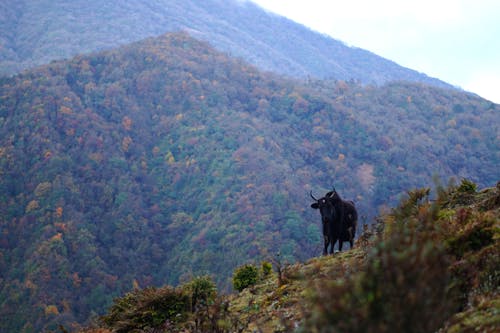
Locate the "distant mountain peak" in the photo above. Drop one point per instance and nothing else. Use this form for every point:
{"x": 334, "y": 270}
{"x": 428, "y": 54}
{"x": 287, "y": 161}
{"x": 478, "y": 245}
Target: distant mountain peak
{"x": 34, "y": 33}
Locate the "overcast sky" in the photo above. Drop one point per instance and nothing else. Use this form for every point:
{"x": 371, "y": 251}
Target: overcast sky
{"x": 457, "y": 41}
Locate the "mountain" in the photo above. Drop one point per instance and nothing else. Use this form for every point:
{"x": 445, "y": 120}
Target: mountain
{"x": 425, "y": 267}
{"x": 36, "y": 32}
{"x": 166, "y": 159}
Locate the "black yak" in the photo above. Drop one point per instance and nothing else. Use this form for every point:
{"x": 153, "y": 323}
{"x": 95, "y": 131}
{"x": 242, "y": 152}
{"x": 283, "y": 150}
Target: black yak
{"x": 339, "y": 219}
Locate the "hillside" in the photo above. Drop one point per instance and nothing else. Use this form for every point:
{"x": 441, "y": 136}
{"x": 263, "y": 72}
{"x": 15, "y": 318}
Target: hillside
{"x": 34, "y": 33}
{"x": 424, "y": 267}
{"x": 166, "y": 159}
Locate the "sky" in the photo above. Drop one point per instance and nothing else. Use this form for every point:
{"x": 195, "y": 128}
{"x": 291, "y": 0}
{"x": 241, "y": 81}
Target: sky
{"x": 457, "y": 41}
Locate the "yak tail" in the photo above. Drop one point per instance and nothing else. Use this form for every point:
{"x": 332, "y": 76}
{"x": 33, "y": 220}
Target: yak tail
{"x": 355, "y": 215}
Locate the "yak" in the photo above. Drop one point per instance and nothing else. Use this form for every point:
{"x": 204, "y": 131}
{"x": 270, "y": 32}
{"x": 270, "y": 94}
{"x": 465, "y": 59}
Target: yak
{"x": 339, "y": 219}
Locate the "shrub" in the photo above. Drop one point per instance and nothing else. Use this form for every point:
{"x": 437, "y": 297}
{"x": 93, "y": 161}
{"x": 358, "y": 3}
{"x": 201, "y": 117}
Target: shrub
{"x": 245, "y": 276}
{"x": 148, "y": 308}
{"x": 266, "y": 268}
{"x": 409, "y": 206}
{"x": 472, "y": 239}
{"x": 467, "y": 186}
{"x": 201, "y": 290}
{"x": 462, "y": 194}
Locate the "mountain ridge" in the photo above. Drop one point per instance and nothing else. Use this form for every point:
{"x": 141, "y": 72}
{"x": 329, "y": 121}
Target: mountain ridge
{"x": 54, "y": 30}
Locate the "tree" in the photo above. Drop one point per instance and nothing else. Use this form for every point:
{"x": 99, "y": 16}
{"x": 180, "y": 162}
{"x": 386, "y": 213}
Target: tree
{"x": 245, "y": 276}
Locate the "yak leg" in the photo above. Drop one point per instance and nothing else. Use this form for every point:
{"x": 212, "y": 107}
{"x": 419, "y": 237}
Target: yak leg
{"x": 351, "y": 236}
{"x": 326, "y": 240}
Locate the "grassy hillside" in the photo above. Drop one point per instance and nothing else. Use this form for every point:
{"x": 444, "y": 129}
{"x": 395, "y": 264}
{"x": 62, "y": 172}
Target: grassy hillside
{"x": 426, "y": 266}
{"x": 166, "y": 159}
{"x": 34, "y": 33}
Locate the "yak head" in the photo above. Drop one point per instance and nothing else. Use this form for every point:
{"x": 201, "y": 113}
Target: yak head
{"x": 325, "y": 206}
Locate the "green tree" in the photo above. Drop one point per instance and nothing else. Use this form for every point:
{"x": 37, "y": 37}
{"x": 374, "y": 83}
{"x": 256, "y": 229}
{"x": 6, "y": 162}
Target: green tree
{"x": 245, "y": 276}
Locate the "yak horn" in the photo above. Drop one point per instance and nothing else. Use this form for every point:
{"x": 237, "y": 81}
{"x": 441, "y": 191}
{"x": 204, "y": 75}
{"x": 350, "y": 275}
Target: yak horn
{"x": 312, "y": 196}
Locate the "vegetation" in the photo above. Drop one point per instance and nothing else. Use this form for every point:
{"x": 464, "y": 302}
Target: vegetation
{"x": 152, "y": 308}
{"x": 202, "y": 292}
{"x": 266, "y": 269}
{"x": 410, "y": 280}
{"x": 404, "y": 285}
{"x": 245, "y": 276}
{"x": 146, "y": 309}
{"x": 165, "y": 159}
{"x": 406, "y": 278}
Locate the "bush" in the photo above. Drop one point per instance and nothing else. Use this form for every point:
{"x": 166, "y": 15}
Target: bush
{"x": 201, "y": 290}
{"x": 410, "y": 205}
{"x": 148, "y": 308}
{"x": 467, "y": 186}
{"x": 472, "y": 239}
{"x": 267, "y": 268}
{"x": 245, "y": 276}
{"x": 462, "y": 194}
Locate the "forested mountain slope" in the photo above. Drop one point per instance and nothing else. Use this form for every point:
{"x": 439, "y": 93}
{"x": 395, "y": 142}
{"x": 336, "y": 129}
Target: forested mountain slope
{"x": 36, "y": 32}
{"x": 165, "y": 159}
